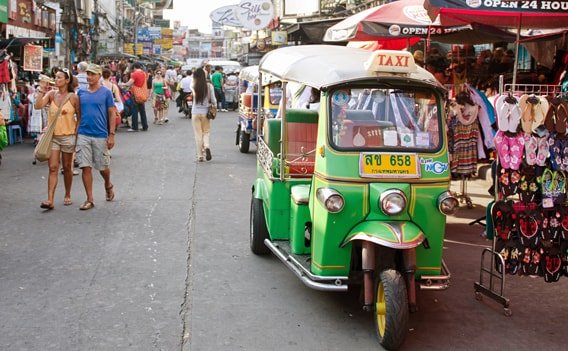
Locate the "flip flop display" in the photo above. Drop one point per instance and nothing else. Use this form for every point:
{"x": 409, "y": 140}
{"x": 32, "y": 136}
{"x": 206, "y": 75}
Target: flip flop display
{"x": 531, "y": 230}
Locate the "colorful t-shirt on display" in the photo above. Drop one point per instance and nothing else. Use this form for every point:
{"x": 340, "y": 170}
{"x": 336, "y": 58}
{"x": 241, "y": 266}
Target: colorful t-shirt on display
{"x": 94, "y": 112}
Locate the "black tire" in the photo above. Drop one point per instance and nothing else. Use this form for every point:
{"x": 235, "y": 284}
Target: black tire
{"x": 392, "y": 324}
{"x": 244, "y": 142}
{"x": 258, "y": 229}
{"x": 238, "y": 134}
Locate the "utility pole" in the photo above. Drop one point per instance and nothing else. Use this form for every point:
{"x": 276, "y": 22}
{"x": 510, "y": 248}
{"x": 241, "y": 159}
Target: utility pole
{"x": 66, "y": 21}
{"x": 95, "y": 33}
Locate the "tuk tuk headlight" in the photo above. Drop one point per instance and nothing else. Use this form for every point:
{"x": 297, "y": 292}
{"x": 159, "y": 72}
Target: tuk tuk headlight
{"x": 330, "y": 199}
{"x": 447, "y": 203}
{"x": 392, "y": 202}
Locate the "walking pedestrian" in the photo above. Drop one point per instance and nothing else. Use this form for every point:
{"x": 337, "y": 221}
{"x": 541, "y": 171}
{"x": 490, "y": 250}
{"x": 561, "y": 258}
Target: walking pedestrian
{"x": 96, "y": 134}
{"x": 171, "y": 79}
{"x": 203, "y": 94}
{"x": 159, "y": 102}
{"x": 218, "y": 83}
{"x": 107, "y": 83}
{"x": 82, "y": 75}
{"x": 138, "y": 79}
{"x": 64, "y": 110}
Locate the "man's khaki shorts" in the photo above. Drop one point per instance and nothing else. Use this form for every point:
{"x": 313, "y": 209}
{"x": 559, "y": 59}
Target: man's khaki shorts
{"x": 92, "y": 152}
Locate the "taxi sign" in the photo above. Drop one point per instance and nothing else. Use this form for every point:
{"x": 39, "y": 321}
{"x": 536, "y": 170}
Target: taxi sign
{"x": 391, "y": 61}
{"x": 388, "y": 165}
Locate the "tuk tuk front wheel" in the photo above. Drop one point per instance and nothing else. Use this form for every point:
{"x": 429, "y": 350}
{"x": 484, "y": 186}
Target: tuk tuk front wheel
{"x": 258, "y": 229}
{"x": 244, "y": 142}
{"x": 391, "y": 309}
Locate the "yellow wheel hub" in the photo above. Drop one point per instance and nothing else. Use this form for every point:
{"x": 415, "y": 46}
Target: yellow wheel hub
{"x": 380, "y": 309}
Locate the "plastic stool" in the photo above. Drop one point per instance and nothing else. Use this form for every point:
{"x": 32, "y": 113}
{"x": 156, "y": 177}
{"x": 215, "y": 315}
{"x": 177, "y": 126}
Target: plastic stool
{"x": 15, "y": 131}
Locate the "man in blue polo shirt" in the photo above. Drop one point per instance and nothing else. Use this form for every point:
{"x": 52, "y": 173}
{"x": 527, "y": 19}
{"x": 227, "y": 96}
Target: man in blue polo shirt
{"x": 96, "y": 133}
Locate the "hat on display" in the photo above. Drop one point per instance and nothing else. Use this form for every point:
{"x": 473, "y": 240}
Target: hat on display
{"x": 96, "y": 69}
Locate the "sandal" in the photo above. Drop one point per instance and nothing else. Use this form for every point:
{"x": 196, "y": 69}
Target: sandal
{"x": 552, "y": 267}
{"x": 109, "y": 193}
{"x": 67, "y": 201}
{"x": 47, "y": 205}
{"x": 87, "y": 205}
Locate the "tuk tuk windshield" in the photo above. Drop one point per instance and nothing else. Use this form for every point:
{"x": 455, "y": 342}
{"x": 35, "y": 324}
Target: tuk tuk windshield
{"x": 400, "y": 119}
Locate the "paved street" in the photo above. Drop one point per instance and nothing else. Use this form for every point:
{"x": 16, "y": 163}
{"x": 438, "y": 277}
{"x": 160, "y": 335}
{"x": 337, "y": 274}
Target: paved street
{"x": 166, "y": 265}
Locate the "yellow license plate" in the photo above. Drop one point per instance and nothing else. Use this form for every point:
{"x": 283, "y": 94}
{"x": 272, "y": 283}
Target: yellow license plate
{"x": 389, "y": 165}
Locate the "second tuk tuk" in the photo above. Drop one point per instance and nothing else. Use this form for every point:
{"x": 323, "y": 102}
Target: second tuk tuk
{"x": 251, "y": 91}
{"x": 355, "y": 194}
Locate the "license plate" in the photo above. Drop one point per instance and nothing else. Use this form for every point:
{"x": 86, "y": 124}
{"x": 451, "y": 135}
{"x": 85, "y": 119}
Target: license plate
{"x": 389, "y": 165}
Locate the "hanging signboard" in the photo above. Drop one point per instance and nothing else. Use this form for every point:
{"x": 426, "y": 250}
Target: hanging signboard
{"x": 226, "y": 16}
{"x": 255, "y": 14}
{"x": 33, "y": 58}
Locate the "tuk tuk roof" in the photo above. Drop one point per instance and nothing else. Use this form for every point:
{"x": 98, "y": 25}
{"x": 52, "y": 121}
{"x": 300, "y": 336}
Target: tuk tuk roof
{"x": 249, "y": 73}
{"x": 321, "y": 66}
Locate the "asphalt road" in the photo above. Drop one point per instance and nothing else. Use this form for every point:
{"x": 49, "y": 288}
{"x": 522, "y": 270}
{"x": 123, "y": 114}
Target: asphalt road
{"x": 166, "y": 266}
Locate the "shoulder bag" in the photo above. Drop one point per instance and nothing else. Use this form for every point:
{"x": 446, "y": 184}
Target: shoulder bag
{"x": 42, "y": 151}
{"x": 141, "y": 94}
{"x": 212, "y": 110}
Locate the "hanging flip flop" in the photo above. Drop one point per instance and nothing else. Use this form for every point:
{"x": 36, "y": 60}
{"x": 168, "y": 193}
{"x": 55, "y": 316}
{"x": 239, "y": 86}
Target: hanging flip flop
{"x": 534, "y": 265}
{"x": 528, "y": 224}
{"x": 502, "y": 145}
{"x": 550, "y": 117}
{"x": 552, "y": 267}
{"x": 539, "y": 112}
{"x": 501, "y": 216}
{"x": 561, "y": 119}
{"x": 527, "y": 115}
{"x": 502, "y": 113}
{"x": 543, "y": 151}
{"x": 526, "y": 260}
{"x": 531, "y": 149}
{"x": 559, "y": 187}
{"x": 516, "y": 150}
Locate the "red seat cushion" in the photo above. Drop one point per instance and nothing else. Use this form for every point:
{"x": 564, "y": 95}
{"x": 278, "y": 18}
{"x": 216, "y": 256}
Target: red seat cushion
{"x": 302, "y": 139}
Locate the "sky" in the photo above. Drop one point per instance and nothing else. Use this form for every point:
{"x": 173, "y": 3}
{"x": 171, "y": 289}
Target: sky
{"x": 195, "y": 13}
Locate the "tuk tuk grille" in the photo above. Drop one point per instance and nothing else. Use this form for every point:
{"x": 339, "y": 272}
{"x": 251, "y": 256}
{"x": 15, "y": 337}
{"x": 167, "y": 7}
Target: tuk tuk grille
{"x": 265, "y": 158}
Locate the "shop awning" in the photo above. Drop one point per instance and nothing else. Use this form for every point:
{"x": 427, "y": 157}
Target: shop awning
{"x": 6, "y": 43}
{"x": 311, "y": 32}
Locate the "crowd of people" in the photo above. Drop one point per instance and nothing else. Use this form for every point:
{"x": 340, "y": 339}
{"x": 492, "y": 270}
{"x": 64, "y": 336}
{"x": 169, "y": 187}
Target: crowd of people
{"x": 88, "y": 104}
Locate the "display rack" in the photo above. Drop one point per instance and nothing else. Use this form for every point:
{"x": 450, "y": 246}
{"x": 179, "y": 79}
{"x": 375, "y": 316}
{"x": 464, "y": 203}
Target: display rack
{"x": 492, "y": 281}
{"x": 462, "y": 196}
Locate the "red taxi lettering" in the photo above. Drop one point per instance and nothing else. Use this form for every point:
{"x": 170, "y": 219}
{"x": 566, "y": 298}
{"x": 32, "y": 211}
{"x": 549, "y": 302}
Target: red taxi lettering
{"x": 387, "y": 60}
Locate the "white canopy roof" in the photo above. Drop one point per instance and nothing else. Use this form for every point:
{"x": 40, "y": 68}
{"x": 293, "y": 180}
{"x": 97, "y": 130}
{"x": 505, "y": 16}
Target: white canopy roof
{"x": 249, "y": 73}
{"x": 326, "y": 65}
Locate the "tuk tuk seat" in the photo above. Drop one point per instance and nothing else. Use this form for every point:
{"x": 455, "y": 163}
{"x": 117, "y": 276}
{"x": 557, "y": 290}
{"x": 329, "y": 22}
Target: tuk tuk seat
{"x": 302, "y": 128}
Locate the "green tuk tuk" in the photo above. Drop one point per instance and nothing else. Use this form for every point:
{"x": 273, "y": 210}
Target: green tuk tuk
{"x": 355, "y": 193}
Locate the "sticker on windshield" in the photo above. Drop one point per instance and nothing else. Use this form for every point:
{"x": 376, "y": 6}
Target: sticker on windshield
{"x": 341, "y": 97}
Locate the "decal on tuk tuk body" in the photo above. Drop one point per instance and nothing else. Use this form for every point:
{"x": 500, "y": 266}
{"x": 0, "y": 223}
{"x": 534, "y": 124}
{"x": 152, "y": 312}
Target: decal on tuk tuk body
{"x": 435, "y": 167}
{"x": 388, "y": 165}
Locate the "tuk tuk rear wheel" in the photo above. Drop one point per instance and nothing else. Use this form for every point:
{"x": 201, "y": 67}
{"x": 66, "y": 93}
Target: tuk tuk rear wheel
{"x": 244, "y": 142}
{"x": 258, "y": 229}
{"x": 391, "y": 309}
